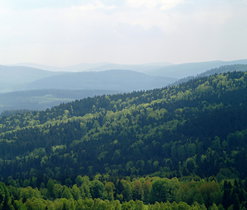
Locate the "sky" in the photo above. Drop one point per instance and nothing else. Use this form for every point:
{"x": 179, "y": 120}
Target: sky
{"x": 68, "y": 32}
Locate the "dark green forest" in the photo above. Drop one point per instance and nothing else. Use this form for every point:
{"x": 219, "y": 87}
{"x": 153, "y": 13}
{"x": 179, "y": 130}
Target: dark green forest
{"x": 179, "y": 147}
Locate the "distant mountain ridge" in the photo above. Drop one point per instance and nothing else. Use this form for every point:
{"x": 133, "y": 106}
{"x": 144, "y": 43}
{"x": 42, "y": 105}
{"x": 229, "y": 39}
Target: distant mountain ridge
{"x": 36, "y": 89}
{"x": 99, "y": 67}
{"x": 26, "y": 88}
{"x": 118, "y": 80}
{"x": 13, "y": 77}
{"x": 153, "y": 69}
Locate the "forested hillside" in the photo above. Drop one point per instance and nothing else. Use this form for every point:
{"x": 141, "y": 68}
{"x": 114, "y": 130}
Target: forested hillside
{"x": 224, "y": 69}
{"x": 219, "y": 70}
{"x": 181, "y": 144}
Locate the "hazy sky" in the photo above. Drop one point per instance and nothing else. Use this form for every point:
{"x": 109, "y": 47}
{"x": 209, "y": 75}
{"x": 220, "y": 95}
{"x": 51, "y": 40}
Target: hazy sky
{"x": 65, "y": 32}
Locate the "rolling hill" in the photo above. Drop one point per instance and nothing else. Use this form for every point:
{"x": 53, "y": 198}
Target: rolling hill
{"x": 117, "y": 80}
{"x": 178, "y": 147}
{"x": 145, "y": 125}
{"x": 14, "y": 77}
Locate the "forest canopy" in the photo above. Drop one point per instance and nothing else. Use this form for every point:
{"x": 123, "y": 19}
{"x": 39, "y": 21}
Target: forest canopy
{"x": 183, "y": 145}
